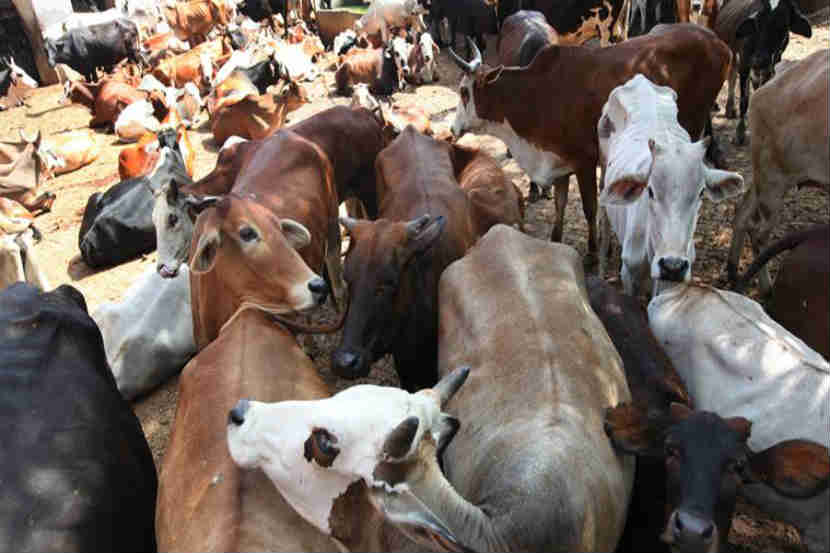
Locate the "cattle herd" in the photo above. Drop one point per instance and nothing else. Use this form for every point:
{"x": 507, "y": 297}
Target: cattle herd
{"x": 540, "y": 407}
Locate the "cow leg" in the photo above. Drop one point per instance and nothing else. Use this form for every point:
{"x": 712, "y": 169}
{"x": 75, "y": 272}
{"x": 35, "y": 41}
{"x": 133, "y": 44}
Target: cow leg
{"x": 34, "y": 203}
{"x": 604, "y": 235}
{"x": 740, "y": 224}
{"x": 730, "y": 89}
{"x": 561, "y": 196}
{"x": 587, "y": 179}
{"x": 31, "y": 267}
{"x": 740, "y": 133}
{"x": 759, "y": 234}
{"x": 713, "y": 152}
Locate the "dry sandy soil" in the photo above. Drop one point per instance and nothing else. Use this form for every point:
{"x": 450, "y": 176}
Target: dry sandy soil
{"x": 59, "y": 250}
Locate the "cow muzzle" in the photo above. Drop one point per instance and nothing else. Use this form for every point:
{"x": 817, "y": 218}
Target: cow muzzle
{"x": 673, "y": 269}
{"x": 165, "y": 271}
{"x": 236, "y": 416}
{"x": 319, "y": 290}
{"x": 688, "y": 532}
{"x": 350, "y": 364}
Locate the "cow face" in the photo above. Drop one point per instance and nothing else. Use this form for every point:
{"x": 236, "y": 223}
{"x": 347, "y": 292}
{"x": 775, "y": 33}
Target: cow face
{"x": 337, "y": 460}
{"x": 253, "y": 256}
{"x": 706, "y": 461}
{"x": 466, "y": 114}
{"x": 766, "y": 34}
{"x": 674, "y": 185}
{"x": 400, "y": 50}
{"x": 380, "y": 254}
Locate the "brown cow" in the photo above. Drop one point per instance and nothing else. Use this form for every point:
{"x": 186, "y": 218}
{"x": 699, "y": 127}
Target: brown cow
{"x": 260, "y": 244}
{"x": 106, "y": 99}
{"x": 493, "y": 197}
{"x": 205, "y": 502}
{"x": 374, "y": 66}
{"x": 20, "y": 174}
{"x": 801, "y": 292}
{"x": 62, "y": 153}
{"x": 139, "y": 159}
{"x": 192, "y": 20}
{"x": 521, "y": 37}
{"x": 551, "y": 129}
{"x": 393, "y": 264}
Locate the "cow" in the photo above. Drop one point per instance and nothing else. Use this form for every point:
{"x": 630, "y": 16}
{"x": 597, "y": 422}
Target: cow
{"x": 557, "y": 136}
{"x": 261, "y": 245}
{"x": 393, "y": 264}
{"x": 254, "y": 79}
{"x": 578, "y": 21}
{"x": 331, "y": 23}
{"x": 645, "y": 14}
{"x": 542, "y": 371}
{"x": 105, "y": 100}
{"x": 738, "y": 362}
{"x": 78, "y": 20}
{"x": 20, "y": 169}
{"x": 140, "y": 159}
{"x": 195, "y": 67}
{"x": 255, "y": 116}
{"x": 148, "y": 335}
{"x": 494, "y": 199}
{"x": 475, "y": 17}
{"x": 87, "y": 48}
{"x": 801, "y": 292}
{"x": 789, "y": 148}
{"x": 758, "y": 33}
{"x": 136, "y": 120}
{"x": 422, "y": 61}
{"x": 117, "y": 225}
{"x": 521, "y": 37}
{"x": 77, "y": 470}
{"x": 373, "y": 66}
{"x": 191, "y": 21}
{"x": 66, "y": 152}
{"x": 15, "y": 84}
{"x": 18, "y": 260}
{"x": 644, "y": 148}
{"x": 382, "y": 15}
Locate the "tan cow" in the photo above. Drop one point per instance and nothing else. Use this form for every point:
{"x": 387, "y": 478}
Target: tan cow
{"x": 192, "y": 20}
{"x": 66, "y": 152}
{"x": 20, "y": 174}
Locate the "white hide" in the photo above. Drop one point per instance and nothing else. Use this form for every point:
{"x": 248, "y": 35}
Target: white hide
{"x": 18, "y": 261}
{"x": 429, "y": 50}
{"x": 21, "y": 74}
{"x": 346, "y": 37}
{"x": 384, "y": 14}
{"x": 148, "y": 336}
{"x": 139, "y": 112}
{"x": 360, "y": 418}
{"x": 239, "y": 58}
{"x": 642, "y": 142}
{"x": 400, "y": 53}
{"x": 295, "y": 61}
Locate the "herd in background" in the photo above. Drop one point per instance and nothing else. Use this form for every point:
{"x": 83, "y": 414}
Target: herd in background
{"x": 714, "y": 396}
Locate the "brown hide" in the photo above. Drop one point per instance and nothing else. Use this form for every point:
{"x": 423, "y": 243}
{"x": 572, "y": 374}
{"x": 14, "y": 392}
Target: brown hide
{"x": 112, "y": 97}
{"x": 359, "y": 65}
{"x": 205, "y": 501}
{"x": 193, "y": 20}
{"x": 77, "y": 149}
{"x": 522, "y": 35}
{"x": 256, "y": 116}
{"x": 20, "y": 175}
{"x": 284, "y": 177}
{"x": 237, "y": 83}
{"x": 493, "y": 197}
{"x": 14, "y": 217}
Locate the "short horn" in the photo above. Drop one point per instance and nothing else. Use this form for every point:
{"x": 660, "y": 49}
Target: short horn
{"x": 450, "y": 384}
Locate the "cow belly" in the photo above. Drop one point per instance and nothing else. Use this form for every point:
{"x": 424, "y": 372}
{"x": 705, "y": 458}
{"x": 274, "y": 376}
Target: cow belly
{"x": 541, "y": 166}
{"x": 737, "y": 361}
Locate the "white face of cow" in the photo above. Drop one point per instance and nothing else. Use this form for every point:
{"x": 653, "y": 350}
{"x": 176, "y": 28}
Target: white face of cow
{"x": 428, "y": 52}
{"x": 400, "y": 52}
{"x": 466, "y": 118}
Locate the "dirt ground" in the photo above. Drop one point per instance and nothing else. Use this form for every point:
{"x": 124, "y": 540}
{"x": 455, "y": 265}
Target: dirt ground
{"x": 59, "y": 251}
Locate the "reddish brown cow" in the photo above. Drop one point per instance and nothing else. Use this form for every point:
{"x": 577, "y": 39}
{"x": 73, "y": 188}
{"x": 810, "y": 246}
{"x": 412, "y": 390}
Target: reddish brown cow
{"x": 550, "y": 127}
{"x": 139, "y": 159}
{"x": 521, "y": 37}
{"x": 393, "y": 264}
{"x": 192, "y": 20}
{"x": 373, "y": 66}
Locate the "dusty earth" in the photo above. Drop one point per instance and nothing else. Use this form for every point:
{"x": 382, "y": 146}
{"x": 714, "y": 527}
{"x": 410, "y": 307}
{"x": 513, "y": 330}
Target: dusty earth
{"x": 59, "y": 250}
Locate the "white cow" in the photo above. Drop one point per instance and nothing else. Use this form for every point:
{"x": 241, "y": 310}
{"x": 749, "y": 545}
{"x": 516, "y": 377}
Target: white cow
{"x": 384, "y": 14}
{"x": 737, "y": 361}
{"x": 148, "y": 336}
{"x": 135, "y": 120}
{"x": 643, "y": 147}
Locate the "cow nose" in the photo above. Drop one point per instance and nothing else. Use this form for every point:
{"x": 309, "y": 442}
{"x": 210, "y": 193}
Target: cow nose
{"x": 673, "y": 268}
{"x": 237, "y": 414}
{"x": 346, "y": 363}
{"x": 319, "y": 289}
{"x": 691, "y": 529}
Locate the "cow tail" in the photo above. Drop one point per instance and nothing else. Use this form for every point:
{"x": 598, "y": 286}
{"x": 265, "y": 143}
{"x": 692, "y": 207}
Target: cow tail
{"x": 787, "y": 243}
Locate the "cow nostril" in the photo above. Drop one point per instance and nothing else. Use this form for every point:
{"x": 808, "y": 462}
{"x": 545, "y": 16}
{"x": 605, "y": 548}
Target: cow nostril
{"x": 318, "y": 286}
{"x": 673, "y": 268}
{"x": 237, "y": 414}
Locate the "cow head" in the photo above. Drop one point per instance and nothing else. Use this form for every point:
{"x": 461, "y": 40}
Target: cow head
{"x": 765, "y": 35}
{"x": 427, "y": 53}
{"x": 675, "y": 180}
{"x": 18, "y": 74}
{"x": 707, "y": 460}
{"x": 368, "y": 452}
{"x": 380, "y": 255}
{"x": 400, "y": 49}
{"x": 253, "y": 254}
{"x": 475, "y": 76}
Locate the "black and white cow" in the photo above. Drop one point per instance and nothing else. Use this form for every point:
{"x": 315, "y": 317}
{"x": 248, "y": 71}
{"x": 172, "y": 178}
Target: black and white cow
{"x": 86, "y": 48}
{"x": 758, "y": 32}
{"x": 76, "y": 471}
{"x": 118, "y": 224}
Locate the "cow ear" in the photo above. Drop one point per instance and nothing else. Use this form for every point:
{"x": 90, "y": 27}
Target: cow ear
{"x": 422, "y": 233}
{"x": 399, "y": 441}
{"x": 794, "y": 468}
{"x": 204, "y": 258}
{"x": 296, "y": 234}
{"x": 748, "y": 26}
{"x": 798, "y": 23}
{"x": 624, "y": 190}
{"x": 196, "y": 204}
{"x": 631, "y": 430}
{"x": 722, "y": 184}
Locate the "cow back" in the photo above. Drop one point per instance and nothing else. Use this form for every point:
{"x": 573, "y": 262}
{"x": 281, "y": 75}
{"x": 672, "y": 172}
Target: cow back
{"x": 521, "y": 37}
{"x": 77, "y": 472}
{"x": 543, "y": 370}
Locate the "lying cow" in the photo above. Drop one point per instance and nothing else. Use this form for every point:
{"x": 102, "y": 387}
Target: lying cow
{"x": 15, "y": 84}
{"x": 393, "y": 264}
{"x": 135, "y": 121}
{"x": 148, "y": 335}
{"x": 551, "y": 129}
{"x": 107, "y": 99}
{"x": 20, "y": 174}
{"x": 374, "y": 66}
{"x": 77, "y": 470}
{"x": 737, "y": 361}
{"x": 87, "y": 48}
{"x": 66, "y": 152}
{"x": 18, "y": 260}
{"x": 758, "y": 33}
{"x": 192, "y": 20}
{"x": 789, "y": 148}
{"x": 382, "y": 15}
{"x": 801, "y": 291}
{"x": 644, "y": 148}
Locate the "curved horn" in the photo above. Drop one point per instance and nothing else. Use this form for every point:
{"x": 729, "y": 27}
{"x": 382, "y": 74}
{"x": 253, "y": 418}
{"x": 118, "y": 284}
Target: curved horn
{"x": 475, "y": 63}
{"x": 450, "y": 384}
{"x": 465, "y": 66}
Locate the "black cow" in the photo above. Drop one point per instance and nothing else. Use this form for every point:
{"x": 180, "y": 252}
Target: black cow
{"x": 86, "y": 48}
{"x": 578, "y": 17}
{"x": 647, "y": 14}
{"x": 758, "y": 35}
{"x": 473, "y": 18}
{"x": 117, "y": 225}
{"x": 76, "y": 471}
{"x": 264, "y": 73}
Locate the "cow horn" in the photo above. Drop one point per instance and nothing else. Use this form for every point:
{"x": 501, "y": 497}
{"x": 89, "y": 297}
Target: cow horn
{"x": 450, "y": 384}
{"x": 471, "y": 66}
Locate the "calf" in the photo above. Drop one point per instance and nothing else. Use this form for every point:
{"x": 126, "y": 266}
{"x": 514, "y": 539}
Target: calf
{"x": 758, "y": 33}
{"x": 802, "y": 288}
{"x": 374, "y": 66}
{"x": 76, "y": 466}
{"x": 737, "y": 361}
{"x": 86, "y": 48}
{"x": 521, "y": 37}
{"x": 789, "y": 148}
{"x": 422, "y": 63}
{"x": 644, "y": 148}
{"x": 551, "y": 129}
{"x": 393, "y": 264}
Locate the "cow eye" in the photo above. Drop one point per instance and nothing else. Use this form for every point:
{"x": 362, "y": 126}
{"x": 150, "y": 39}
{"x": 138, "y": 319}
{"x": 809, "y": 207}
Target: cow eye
{"x": 172, "y": 219}
{"x": 650, "y": 193}
{"x": 247, "y": 234}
